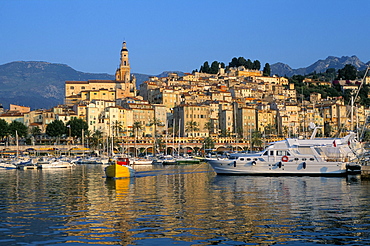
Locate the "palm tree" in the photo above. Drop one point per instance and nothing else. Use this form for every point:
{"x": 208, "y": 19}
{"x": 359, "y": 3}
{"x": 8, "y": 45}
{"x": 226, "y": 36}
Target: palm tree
{"x": 192, "y": 127}
{"x": 256, "y": 139}
{"x": 208, "y": 143}
{"x": 208, "y": 126}
{"x": 117, "y": 127}
{"x": 155, "y": 122}
{"x": 136, "y": 127}
{"x": 96, "y": 139}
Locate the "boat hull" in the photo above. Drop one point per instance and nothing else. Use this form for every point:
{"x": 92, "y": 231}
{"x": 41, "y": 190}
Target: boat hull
{"x": 119, "y": 171}
{"x": 187, "y": 161}
{"x": 228, "y": 167}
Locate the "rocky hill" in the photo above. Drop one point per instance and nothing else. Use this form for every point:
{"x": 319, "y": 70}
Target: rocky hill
{"x": 282, "y": 69}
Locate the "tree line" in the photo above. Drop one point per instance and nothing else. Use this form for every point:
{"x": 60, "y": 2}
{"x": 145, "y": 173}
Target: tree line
{"x": 73, "y": 128}
{"x": 234, "y": 63}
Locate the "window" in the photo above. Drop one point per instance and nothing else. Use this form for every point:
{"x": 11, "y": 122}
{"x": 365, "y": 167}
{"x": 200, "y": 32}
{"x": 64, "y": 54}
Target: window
{"x": 72, "y": 87}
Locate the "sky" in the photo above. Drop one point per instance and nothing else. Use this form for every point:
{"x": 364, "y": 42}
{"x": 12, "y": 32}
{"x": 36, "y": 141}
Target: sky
{"x": 173, "y": 35}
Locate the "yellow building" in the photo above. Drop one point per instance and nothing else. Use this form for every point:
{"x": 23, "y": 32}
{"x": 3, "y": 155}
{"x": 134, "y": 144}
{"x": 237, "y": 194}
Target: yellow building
{"x": 265, "y": 118}
{"x": 123, "y": 86}
{"x": 192, "y": 120}
{"x": 246, "y": 121}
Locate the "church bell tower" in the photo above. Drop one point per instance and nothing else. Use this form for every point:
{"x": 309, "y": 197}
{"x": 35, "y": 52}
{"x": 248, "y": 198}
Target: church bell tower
{"x": 126, "y": 82}
{"x": 123, "y": 72}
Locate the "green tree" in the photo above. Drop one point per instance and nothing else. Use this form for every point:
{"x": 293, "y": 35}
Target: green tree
{"x": 214, "y": 67}
{"x": 270, "y": 129}
{"x": 35, "y": 131}
{"x": 349, "y": 72}
{"x": 267, "y": 70}
{"x": 76, "y": 126}
{"x": 96, "y": 139}
{"x": 257, "y": 65}
{"x": 4, "y": 129}
{"x": 208, "y": 143}
{"x": 208, "y": 126}
{"x": 249, "y": 64}
{"x": 327, "y": 130}
{"x": 117, "y": 127}
{"x": 18, "y": 127}
{"x": 136, "y": 127}
{"x": 205, "y": 68}
{"x": 234, "y": 62}
{"x": 242, "y": 62}
{"x": 56, "y": 128}
{"x": 256, "y": 139}
{"x": 155, "y": 122}
{"x": 192, "y": 127}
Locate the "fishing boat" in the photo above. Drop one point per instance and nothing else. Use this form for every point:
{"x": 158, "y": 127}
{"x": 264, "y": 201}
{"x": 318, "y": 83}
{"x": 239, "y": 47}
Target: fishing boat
{"x": 119, "y": 169}
{"x": 294, "y": 156}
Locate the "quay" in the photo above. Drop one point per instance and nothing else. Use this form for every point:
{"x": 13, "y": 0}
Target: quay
{"x": 142, "y": 145}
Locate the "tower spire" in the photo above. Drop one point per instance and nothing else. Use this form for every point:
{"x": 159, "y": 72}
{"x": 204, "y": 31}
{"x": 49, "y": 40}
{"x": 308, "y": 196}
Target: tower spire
{"x": 123, "y": 72}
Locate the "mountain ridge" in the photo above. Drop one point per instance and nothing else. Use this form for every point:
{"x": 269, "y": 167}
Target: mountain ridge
{"x": 319, "y": 66}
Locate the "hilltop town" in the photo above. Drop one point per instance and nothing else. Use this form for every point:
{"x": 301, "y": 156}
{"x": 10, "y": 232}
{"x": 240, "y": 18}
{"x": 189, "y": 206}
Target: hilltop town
{"x": 234, "y": 103}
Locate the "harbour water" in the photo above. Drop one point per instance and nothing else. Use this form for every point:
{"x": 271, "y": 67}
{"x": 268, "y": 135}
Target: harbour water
{"x": 180, "y": 205}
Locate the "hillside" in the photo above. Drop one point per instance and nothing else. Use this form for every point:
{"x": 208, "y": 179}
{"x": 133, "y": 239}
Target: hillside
{"x": 40, "y": 84}
{"x": 282, "y": 69}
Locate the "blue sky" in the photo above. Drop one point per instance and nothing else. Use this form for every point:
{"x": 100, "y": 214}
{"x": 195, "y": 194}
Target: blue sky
{"x": 181, "y": 35}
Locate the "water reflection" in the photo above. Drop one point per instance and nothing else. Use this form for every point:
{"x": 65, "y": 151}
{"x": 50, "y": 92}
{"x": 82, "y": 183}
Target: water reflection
{"x": 183, "y": 205}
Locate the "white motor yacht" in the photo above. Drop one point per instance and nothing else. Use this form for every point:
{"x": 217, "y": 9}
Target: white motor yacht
{"x": 313, "y": 156}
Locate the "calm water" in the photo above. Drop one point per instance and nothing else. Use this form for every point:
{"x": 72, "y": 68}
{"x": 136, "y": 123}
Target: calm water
{"x": 180, "y": 205}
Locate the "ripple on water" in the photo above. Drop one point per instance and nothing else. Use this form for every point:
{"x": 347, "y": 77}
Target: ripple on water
{"x": 186, "y": 205}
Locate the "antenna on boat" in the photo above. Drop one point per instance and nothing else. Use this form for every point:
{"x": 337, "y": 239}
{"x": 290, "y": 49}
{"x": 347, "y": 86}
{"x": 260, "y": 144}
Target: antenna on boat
{"x": 354, "y": 100}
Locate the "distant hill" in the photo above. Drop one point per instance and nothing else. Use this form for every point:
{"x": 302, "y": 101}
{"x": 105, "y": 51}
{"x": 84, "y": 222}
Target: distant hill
{"x": 41, "y": 84}
{"x": 282, "y": 69}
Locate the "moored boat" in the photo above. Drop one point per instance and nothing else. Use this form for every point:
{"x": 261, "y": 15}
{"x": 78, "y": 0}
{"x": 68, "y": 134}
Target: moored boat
{"x": 5, "y": 165}
{"x": 187, "y": 161}
{"x": 90, "y": 160}
{"x": 54, "y": 163}
{"x": 141, "y": 161}
{"x": 295, "y": 157}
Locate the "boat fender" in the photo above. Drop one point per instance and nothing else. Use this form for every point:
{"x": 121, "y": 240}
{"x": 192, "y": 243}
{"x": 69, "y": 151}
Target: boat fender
{"x": 280, "y": 164}
{"x": 253, "y": 163}
{"x": 234, "y": 163}
{"x": 304, "y": 165}
{"x": 284, "y": 158}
